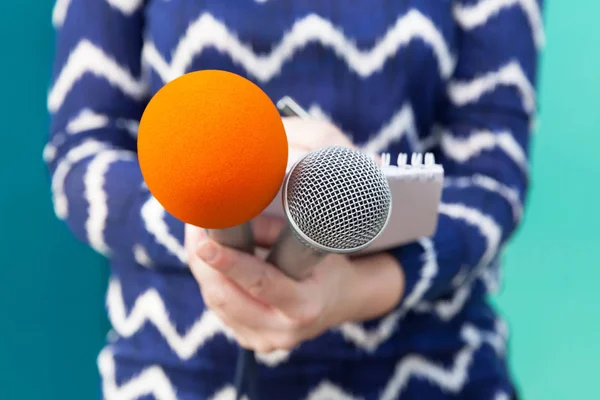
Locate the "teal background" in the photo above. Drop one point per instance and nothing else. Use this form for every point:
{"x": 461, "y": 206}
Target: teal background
{"x": 52, "y": 287}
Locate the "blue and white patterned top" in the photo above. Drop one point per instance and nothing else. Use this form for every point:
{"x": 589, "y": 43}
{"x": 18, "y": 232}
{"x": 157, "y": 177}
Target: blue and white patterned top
{"x": 454, "y": 77}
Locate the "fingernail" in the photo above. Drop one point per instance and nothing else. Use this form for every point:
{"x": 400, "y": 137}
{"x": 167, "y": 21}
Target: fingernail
{"x": 207, "y": 251}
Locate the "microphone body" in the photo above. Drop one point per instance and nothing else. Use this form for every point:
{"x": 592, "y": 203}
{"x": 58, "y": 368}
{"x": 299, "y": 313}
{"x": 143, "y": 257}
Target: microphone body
{"x": 292, "y": 256}
{"x": 336, "y": 200}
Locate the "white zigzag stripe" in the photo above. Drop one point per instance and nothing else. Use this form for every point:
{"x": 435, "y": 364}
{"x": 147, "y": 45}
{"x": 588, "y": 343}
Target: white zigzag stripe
{"x": 149, "y": 307}
{"x": 61, "y": 8}
{"x": 127, "y": 7}
{"x": 428, "y": 272}
{"x": 76, "y": 154}
{"x": 328, "y": 391}
{"x": 151, "y": 380}
{"x": 495, "y": 339}
{"x": 51, "y": 147}
{"x": 141, "y": 256}
{"x": 206, "y": 31}
{"x": 447, "y": 309}
{"x": 86, "y": 120}
{"x": 59, "y": 12}
{"x": 154, "y": 381}
{"x": 369, "y": 340}
{"x": 463, "y": 149}
{"x": 510, "y": 194}
{"x": 511, "y": 74}
{"x": 86, "y": 57}
{"x": 451, "y": 380}
{"x": 129, "y": 125}
{"x": 96, "y": 197}
{"x": 489, "y": 228}
{"x": 402, "y": 122}
{"x": 474, "y": 15}
{"x": 153, "y": 215}
{"x": 227, "y": 393}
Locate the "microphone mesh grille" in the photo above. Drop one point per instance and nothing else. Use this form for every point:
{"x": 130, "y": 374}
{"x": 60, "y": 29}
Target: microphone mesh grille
{"x": 338, "y": 197}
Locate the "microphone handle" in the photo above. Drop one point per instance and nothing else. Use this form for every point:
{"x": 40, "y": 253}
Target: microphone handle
{"x": 292, "y": 257}
{"x": 237, "y": 237}
{"x": 240, "y": 237}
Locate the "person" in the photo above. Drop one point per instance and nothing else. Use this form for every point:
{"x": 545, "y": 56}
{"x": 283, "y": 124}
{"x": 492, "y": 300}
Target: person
{"x": 455, "y": 78}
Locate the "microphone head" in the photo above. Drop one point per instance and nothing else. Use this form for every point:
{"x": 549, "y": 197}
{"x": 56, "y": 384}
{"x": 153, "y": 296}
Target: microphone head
{"x": 337, "y": 200}
{"x": 212, "y": 149}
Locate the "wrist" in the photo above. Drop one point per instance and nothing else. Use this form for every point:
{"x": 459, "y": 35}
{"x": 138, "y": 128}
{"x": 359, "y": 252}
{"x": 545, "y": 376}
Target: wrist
{"x": 375, "y": 287}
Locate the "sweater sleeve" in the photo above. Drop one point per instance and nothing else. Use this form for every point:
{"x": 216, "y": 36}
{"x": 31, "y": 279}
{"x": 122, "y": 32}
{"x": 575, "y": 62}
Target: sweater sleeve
{"x": 483, "y": 144}
{"x": 97, "y": 96}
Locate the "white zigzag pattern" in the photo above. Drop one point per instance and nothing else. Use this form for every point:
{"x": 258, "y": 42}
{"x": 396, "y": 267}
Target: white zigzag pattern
{"x": 463, "y": 149}
{"x": 86, "y": 120}
{"x": 96, "y": 196}
{"x": 446, "y": 310}
{"x": 141, "y": 256}
{"x": 402, "y": 122}
{"x": 86, "y": 149}
{"x": 474, "y": 15}
{"x": 87, "y": 58}
{"x": 369, "y": 340}
{"x": 153, "y": 215}
{"x": 491, "y": 231}
{"x": 61, "y": 9}
{"x": 152, "y": 380}
{"x": 227, "y": 393}
{"x": 452, "y": 379}
{"x": 489, "y": 228}
{"x": 149, "y": 307}
{"x": 328, "y": 391}
{"x": 511, "y": 74}
{"x": 206, "y": 31}
{"x": 59, "y": 12}
{"x": 510, "y": 194}
{"x": 127, "y": 7}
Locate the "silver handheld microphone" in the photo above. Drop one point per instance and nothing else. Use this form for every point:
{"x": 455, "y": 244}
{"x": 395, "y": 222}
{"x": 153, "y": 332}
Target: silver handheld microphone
{"x": 336, "y": 200}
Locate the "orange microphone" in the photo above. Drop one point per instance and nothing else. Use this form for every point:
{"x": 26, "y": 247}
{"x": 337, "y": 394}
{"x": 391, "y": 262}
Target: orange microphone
{"x": 213, "y": 151}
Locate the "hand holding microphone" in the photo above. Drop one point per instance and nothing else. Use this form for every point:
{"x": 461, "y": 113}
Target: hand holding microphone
{"x": 213, "y": 151}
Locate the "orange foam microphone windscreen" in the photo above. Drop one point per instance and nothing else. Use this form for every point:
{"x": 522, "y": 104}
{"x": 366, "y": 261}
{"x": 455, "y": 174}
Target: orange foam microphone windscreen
{"x": 212, "y": 149}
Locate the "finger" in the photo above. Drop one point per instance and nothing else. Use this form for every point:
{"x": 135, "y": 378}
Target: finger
{"x": 311, "y": 134}
{"x": 303, "y": 134}
{"x": 266, "y": 230}
{"x": 234, "y": 307}
{"x": 259, "y": 279}
{"x": 192, "y": 235}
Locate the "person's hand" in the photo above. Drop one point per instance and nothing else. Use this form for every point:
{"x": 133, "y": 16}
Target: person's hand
{"x": 264, "y": 308}
{"x": 309, "y": 134}
{"x": 306, "y": 135}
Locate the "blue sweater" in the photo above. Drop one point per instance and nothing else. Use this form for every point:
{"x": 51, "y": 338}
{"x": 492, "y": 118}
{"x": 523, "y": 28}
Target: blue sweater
{"x": 452, "y": 77}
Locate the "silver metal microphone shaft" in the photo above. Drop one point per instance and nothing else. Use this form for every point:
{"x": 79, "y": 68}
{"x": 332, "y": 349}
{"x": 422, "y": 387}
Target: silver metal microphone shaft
{"x": 292, "y": 257}
{"x": 238, "y": 237}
